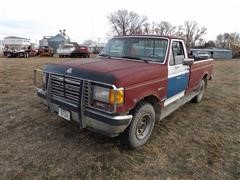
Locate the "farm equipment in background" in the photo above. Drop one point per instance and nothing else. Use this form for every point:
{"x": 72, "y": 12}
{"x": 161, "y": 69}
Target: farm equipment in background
{"x": 73, "y": 50}
{"x": 18, "y": 47}
{"x": 15, "y": 53}
{"x": 45, "y": 51}
{"x": 23, "y": 53}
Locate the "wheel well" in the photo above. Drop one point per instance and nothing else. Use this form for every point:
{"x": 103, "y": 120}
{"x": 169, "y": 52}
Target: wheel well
{"x": 154, "y": 102}
{"x": 205, "y": 78}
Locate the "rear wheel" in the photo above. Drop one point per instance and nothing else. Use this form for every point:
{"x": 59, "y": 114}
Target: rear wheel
{"x": 20, "y": 55}
{"x": 200, "y": 95}
{"x": 140, "y": 129}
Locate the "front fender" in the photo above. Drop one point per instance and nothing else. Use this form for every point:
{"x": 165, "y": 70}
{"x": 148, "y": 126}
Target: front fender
{"x": 134, "y": 95}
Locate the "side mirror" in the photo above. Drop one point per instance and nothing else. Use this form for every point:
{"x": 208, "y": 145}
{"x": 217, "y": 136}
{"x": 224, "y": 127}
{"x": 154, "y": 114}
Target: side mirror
{"x": 188, "y": 61}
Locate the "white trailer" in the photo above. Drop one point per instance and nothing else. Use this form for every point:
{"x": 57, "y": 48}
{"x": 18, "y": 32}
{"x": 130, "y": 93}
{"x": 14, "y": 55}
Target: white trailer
{"x": 16, "y": 46}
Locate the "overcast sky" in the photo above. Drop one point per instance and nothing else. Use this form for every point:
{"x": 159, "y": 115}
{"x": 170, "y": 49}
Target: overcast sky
{"x": 87, "y": 19}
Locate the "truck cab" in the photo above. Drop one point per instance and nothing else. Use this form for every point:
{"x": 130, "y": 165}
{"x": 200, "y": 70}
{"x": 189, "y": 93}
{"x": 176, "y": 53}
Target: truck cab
{"x": 134, "y": 82}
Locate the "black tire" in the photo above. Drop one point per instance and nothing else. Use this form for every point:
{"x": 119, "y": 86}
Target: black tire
{"x": 198, "y": 98}
{"x": 20, "y": 55}
{"x": 26, "y": 55}
{"x": 141, "y": 127}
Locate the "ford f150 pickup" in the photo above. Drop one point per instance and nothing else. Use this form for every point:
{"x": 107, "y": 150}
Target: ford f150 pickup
{"x": 134, "y": 82}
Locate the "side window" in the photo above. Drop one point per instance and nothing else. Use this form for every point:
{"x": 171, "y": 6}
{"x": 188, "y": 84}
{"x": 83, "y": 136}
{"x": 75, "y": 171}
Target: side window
{"x": 177, "y": 55}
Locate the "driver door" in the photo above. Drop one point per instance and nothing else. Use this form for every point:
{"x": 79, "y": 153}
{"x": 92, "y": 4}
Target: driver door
{"x": 178, "y": 74}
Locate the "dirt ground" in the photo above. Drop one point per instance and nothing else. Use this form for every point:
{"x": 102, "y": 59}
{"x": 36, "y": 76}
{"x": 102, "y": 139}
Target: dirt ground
{"x": 198, "y": 141}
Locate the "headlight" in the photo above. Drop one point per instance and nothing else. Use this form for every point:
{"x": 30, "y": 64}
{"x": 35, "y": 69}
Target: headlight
{"x": 101, "y": 94}
{"x": 106, "y": 95}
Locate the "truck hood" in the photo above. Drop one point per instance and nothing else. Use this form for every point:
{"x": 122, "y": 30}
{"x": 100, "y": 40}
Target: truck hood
{"x": 121, "y": 72}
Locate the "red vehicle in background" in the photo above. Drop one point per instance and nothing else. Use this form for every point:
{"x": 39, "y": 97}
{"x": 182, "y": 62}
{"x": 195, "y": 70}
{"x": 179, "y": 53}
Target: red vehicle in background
{"x": 45, "y": 51}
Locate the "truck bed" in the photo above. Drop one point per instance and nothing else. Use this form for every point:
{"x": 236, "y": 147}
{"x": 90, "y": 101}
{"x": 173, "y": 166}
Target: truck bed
{"x": 198, "y": 70}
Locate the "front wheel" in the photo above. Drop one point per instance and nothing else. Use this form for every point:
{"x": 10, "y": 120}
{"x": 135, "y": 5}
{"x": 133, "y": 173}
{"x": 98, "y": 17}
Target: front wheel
{"x": 141, "y": 127}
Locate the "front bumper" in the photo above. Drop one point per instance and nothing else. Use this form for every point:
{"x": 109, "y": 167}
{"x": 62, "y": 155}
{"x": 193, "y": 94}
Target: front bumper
{"x": 110, "y": 125}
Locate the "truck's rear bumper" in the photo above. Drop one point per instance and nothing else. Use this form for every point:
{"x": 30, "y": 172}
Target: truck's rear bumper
{"x": 110, "y": 125}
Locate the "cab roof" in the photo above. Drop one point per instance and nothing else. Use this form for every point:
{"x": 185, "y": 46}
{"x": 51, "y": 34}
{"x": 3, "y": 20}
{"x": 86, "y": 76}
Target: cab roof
{"x": 149, "y": 36}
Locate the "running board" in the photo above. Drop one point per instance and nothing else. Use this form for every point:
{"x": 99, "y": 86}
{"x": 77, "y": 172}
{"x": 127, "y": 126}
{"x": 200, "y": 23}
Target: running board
{"x": 176, "y": 104}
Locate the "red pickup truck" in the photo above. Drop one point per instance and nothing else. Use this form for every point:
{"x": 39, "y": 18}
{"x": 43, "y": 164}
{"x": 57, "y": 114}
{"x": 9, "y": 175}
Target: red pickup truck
{"x": 134, "y": 82}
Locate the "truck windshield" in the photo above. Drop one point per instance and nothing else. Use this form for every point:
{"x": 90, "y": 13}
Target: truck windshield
{"x": 150, "y": 49}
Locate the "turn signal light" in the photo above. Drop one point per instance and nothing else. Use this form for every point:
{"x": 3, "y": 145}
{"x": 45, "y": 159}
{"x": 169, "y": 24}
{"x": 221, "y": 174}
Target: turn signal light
{"x": 116, "y": 96}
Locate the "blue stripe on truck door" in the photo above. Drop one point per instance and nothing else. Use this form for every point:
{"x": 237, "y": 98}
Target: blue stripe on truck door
{"x": 177, "y": 84}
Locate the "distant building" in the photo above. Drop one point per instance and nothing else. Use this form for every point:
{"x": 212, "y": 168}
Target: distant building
{"x": 57, "y": 40}
{"x": 34, "y": 45}
{"x": 54, "y": 41}
{"x": 44, "y": 41}
{"x": 215, "y": 53}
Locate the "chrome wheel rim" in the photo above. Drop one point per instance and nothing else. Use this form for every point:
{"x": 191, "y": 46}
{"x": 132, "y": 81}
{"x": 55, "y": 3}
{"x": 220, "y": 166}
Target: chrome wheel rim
{"x": 143, "y": 126}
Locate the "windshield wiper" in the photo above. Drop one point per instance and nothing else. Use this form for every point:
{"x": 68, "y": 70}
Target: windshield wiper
{"x": 131, "y": 57}
{"x": 134, "y": 57}
{"x": 105, "y": 55}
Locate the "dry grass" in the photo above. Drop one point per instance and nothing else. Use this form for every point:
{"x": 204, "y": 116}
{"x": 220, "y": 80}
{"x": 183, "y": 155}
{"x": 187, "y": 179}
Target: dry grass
{"x": 198, "y": 141}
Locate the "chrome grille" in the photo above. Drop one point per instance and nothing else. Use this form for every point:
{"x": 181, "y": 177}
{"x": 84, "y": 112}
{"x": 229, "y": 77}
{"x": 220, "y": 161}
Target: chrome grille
{"x": 86, "y": 93}
{"x": 66, "y": 89}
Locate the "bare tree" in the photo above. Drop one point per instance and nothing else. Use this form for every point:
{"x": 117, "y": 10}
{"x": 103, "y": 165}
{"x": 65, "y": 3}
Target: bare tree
{"x": 191, "y": 32}
{"x": 164, "y": 28}
{"x": 126, "y": 23}
{"x": 224, "y": 40}
{"x": 153, "y": 27}
{"x": 146, "y": 28}
{"x": 200, "y": 43}
{"x": 87, "y": 42}
{"x": 179, "y": 31}
{"x": 210, "y": 43}
{"x": 130, "y": 23}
